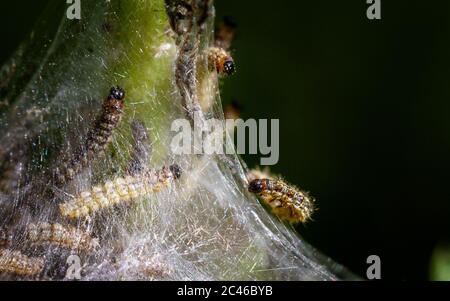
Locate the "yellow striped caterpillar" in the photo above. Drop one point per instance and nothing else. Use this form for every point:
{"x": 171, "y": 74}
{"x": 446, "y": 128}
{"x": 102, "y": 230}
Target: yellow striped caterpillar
{"x": 97, "y": 138}
{"x": 119, "y": 191}
{"x": 286, "y": 202}
{"x": 14, "y": 262}
{"x": 60, "y": 236}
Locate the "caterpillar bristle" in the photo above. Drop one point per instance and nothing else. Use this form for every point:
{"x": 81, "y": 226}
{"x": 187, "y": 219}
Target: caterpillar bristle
{"x": 98, "y": 137}
{"x": 15, "y": 263}
{"x": 286, "y": 202}
{"x": 119, "y": 191}
{"x": 45, "y": 234}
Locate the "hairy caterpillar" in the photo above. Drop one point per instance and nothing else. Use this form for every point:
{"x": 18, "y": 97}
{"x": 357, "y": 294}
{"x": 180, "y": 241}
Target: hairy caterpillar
{"x": 220, "y": 60}
{"x": 225, "y": 33}
{"x": 286, "y": 202}
{"x": 14, "y": 262}
{"x": 60, "y": 236}
{"x": 121, "y": 190}
{"x": 97, "y": 138}
{"x": 141, "y": 149}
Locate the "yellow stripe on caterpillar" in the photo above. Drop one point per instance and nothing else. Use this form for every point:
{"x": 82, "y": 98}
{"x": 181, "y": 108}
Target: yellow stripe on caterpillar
{"x": 119, "y": 191}
{"x": 14, "y": 262}
{"x": 286, "y": 202}
{"x": 61, "y": 236}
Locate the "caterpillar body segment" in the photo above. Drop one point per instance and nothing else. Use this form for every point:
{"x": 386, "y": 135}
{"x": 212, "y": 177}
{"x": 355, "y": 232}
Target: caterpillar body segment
{"x": 45, "y": 234}
{"x": 15, "y": 263}
{"x": 98, "y": 137}
{"x": 286, "y": 202}
{"x": 119, "y": 191}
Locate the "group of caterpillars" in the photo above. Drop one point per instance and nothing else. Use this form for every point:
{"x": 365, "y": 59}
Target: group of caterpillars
{"x": 286, "y": 202}
{"x": 40, "y": 237}
{"x": 139, "y": 182}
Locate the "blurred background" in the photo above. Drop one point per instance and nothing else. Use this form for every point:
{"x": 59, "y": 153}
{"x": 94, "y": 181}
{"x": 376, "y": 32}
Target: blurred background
{"x": 364, "y": 110}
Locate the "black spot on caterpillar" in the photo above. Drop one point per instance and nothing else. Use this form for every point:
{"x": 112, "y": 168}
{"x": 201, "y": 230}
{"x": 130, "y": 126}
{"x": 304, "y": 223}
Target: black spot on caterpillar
{"x": 119, "y": 191}
{"x": 97, "y": 138}
{"x": 287, "y": 202}
{"x": 15, "y": 263}
{"x": 45, "y": 234}
{"x": 220, "y": 60}
{"x": 225, "y": 33}
{"x": 141, "y": 150}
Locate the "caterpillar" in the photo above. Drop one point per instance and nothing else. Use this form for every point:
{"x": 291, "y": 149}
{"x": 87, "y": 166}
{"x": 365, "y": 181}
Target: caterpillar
{"x": 14, "y": 262}
{"x": 220, "y": 60}
{"x": 60, "y": 236}
{"x": 225, "y": 33}
{"x": 120, "y": 190}
{"x": 286, "y": 202}
{"x": 141, "y": 150}
{"x": 97, "y": 138}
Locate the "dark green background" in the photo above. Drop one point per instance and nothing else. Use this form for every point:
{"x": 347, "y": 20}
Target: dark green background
{"x": 364, "y": 108}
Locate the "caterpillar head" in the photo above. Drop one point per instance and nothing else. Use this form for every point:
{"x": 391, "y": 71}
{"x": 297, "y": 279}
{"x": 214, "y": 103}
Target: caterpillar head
{"x": 115, "y": 100}
{"x": 257, "y": 185}
{"x": 117, "y": 93}
{"x": 228, "y": 67}
{"x": 176, "y": 171}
